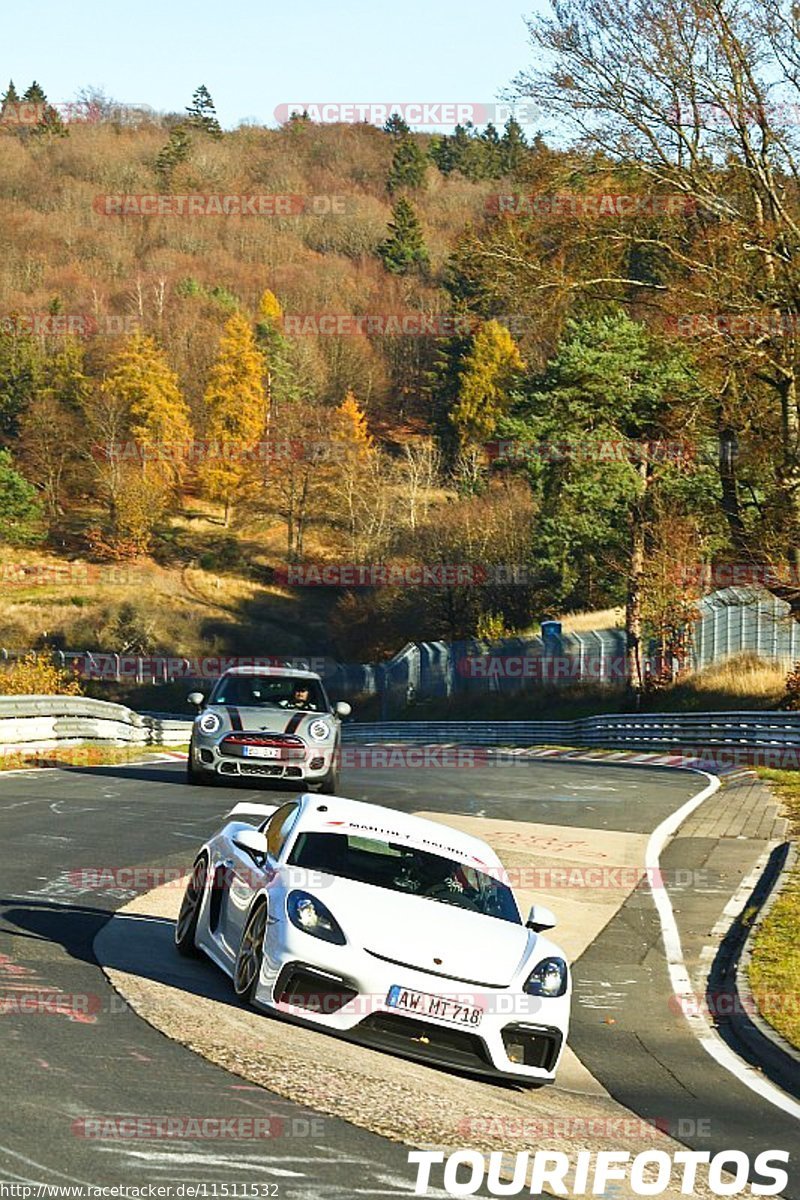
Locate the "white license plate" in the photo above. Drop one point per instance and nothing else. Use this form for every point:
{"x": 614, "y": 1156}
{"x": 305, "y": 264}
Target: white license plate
{"x": 443, "y": 1008}
{"x": 261, "y": 752}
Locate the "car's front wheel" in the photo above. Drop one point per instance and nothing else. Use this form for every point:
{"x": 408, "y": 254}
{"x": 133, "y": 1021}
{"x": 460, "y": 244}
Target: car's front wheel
{"x": 329, "y": 785}
{"x": 251, "y": 952}
{"x": 192, "y": 773}
{"x": 186, "y": 924}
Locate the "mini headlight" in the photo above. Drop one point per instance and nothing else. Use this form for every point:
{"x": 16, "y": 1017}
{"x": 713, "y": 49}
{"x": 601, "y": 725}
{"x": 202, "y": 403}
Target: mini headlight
{"x": 209, "y": 722}
{"x": 320, "y": 731}
{"x": 311, "y": 915}
{"x": 548, "y": 978}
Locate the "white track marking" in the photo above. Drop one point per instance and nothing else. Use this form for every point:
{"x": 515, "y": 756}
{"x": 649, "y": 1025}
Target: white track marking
{"x": 704, "y": 1031}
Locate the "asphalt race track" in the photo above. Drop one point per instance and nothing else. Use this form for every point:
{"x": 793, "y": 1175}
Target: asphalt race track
{"x": 83, "y": 1053}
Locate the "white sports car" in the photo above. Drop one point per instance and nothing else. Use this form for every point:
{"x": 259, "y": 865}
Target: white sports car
{"x": 384, "y": 927}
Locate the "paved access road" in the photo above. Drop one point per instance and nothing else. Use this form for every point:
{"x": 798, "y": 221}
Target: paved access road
{"x": 58, "y": 1070}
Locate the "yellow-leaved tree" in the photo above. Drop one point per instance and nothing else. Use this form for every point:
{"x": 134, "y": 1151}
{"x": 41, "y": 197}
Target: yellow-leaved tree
{"x": 235, "y": 413}
{"x": 143, "y": 382}
{"x": 360, "y": 478}
{"x": 140, "y": 429}
{"x": 269, "y": 308}
{"x": 491, "y": 371}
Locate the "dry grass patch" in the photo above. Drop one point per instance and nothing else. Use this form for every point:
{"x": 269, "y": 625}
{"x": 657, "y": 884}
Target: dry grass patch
{"x": 774, "y": 971}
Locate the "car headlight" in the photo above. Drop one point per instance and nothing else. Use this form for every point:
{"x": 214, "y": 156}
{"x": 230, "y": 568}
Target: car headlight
{"x": 548, "y": 978}
{"x": 320, "y": 731}
{"x": 311, "y": 915}
{"x": 209, "y": 722}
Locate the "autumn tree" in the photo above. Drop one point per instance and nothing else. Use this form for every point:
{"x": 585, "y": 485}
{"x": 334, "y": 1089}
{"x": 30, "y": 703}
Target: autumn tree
{"x": 360, "y": 476}
{"x": 695, "y": 102}
{"x": 235, "y": 413}
{"x": 491, "y": 371}
{"x": 148, "y": 389}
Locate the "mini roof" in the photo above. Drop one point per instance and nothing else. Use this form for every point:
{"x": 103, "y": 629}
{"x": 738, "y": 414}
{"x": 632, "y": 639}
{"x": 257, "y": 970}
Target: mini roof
{"x": 277, "y": 672}
{"x": 336, "y": 814}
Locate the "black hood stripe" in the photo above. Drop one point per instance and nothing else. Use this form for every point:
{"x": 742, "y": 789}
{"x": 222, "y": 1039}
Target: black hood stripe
{"x": 235, "y": 718}
{"x": 294, "y": 722}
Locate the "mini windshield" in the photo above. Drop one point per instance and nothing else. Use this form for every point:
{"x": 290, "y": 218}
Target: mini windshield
{"x": 401, "y": 868}
{"x": 269, "y": 691}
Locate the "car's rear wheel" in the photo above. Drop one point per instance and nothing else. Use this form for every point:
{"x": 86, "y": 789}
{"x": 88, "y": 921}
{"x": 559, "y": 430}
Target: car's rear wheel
{"x": 186, "y": 924}
{"x": 251, "y": 952}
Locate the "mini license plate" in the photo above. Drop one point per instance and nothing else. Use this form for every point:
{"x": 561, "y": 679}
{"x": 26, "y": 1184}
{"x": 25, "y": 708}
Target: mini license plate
{"x": 443, "y": 1008}
{"x": 261, "y": 752}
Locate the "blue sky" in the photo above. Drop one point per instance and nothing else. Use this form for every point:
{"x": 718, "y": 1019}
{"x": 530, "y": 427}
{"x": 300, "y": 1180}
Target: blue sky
{"x": 254, "y": 56}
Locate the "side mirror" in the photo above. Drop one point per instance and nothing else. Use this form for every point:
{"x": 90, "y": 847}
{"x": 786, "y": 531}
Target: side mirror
{"x": 540, "y": 918}
{"x": 252, "y": 841}
{"x": 196, "y": 698}
{"x": 342, "y": 708}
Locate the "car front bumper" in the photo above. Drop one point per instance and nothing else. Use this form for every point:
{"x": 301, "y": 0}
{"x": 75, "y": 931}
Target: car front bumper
{"x": 345, "y": 990}
{"x": 207, "y": 756}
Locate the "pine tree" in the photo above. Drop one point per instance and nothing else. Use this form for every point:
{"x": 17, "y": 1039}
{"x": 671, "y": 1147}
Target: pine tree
{"x": 409, "y": 166}
{"x": 159, "y": 415}
{"x": 235, "y": 412}
{"x": 202, "y": 114}
{"x": 404, "y": 249}
{"x": 9, "y": 102}
{"x": 49, "y": 121}
{"x": 490, "y": 373}
{"x": 175, "y": 152}
{"x": 20, "y": 510}
{"x": 397, "y": 126}
{"x": 513, "y": 147}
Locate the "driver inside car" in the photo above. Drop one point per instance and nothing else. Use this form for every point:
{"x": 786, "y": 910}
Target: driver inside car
{"x": 301, "y": 698}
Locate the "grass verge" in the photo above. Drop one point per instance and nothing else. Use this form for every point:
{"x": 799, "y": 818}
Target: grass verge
{"x": 775, "y": 958}
{"x": 85, "y": 755}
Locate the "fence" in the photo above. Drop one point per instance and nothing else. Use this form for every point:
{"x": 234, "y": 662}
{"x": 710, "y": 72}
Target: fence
{"x": 772, "y": 738}
{"x": 733, "y": 731}
{"x": 731, "y": 621}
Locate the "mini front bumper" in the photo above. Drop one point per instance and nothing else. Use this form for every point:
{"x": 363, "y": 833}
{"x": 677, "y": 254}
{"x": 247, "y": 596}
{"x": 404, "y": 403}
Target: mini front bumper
{"x": 210, "y": 755}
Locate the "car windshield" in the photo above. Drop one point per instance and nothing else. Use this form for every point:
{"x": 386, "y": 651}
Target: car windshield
{"x": 269, "y": 691}
{"x": 401, "y": 868}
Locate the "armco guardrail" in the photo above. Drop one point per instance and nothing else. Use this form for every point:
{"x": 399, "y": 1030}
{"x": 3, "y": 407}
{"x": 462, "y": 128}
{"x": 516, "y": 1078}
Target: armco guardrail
{"x": 646, "y": 731}
{"x": 43, "y": 720}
